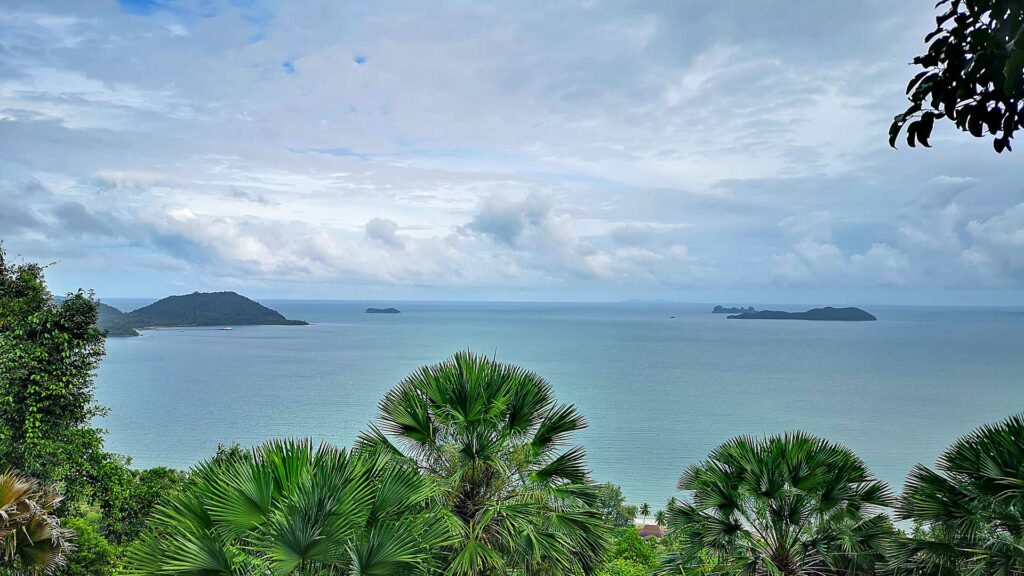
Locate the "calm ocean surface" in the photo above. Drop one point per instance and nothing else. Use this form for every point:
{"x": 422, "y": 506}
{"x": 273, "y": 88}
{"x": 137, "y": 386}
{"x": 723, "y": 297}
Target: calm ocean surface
{"x": 659, "y": 393}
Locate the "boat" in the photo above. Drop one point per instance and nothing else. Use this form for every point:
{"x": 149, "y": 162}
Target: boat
{"x": 227, "y": 328}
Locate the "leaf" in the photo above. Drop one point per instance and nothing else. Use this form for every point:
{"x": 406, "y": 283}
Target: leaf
{"x": 933, "y": 34}
{"x": 924, "y": 130}
{"x": 1014, "y": 73}
{"x": 975, "y": 124}
{"x": 917, "y": 78}
{"x": 894, "y": 131}
{"x": 912, "y": 133}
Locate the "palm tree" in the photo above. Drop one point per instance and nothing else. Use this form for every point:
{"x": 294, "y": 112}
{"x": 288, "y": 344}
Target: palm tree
{"x": 783, "y": 505}
{"x": 293, "y": 509}
{"x": 645, "y": 510}
{"x": 31, "y": 538}
{"x": 493, "y": 436}
{"x": 659, "y": 518}
{"x": 970, "y": 514}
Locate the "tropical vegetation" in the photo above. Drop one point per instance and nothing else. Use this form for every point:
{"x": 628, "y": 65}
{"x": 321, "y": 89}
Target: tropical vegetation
{"x": 294, "y": 509}
{"x": 972, "y": 74}
{"x": 969, "y": 514}
{"x": 791, "y": 504}
{"x": 49, "y": 350}
{"x": 630, "y": 555}
{"x": 492, "y": 436}
{"x": 611, "y": 503}
{"x": 32, "y": 540}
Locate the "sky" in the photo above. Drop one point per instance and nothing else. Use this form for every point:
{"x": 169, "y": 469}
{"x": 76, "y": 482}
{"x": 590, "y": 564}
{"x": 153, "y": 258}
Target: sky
{"x": 721, "y": 151}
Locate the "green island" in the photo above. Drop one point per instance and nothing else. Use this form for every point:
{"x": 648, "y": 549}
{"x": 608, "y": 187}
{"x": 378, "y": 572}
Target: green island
{"x": 469, "y": 468}
{"x": 383, "y": 311}
{"x": 196, "y": 309}
{"x": 731, "y": 310}
{"x": 114, "y": 322}
{"x": 824, "y": 314}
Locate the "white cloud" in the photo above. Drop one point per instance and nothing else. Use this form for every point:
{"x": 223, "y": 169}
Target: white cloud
{"x": 609, "y": 148}
{"x": 384, "y": 231}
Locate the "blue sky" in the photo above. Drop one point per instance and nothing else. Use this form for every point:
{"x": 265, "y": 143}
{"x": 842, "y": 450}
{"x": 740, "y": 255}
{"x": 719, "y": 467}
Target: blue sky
{"x": 706, "y": 151}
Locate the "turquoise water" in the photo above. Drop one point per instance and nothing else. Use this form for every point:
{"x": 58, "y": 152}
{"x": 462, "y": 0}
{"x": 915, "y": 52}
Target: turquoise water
{"x": 659, "y": 393}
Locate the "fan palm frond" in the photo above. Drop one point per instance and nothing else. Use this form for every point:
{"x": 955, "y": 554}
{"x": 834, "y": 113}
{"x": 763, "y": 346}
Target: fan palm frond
{"x": 790, "y": 504}
{"x": 294, "y": 509}
{"x": 31, "y": 538}
{"x": 970, "y": 511}
{"x": 498, "y": 446}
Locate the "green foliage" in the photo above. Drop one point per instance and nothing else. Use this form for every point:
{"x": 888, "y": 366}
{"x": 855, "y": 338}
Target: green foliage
{"x": 629, "y": 545}
{"x": 232, "y": 453}
{"x": 48, "y": 352}
{"x": 973, "y": 74}
{"x": 127, "y": 497}
{"x": 612, "y": 505}
{"x": 645, "y": 510}
{"x": 206, "y": 309}
{"x": 49, "y": 349}
{"x": 93, "y": 554}
{"x": 113, "y": 322}
{"x": 969, "y": 515}
{"x": 791, "y": 504}
{"x": 294, "y": 509}
{"x": 492, "y": 435}
{"x": 624, "y": 568}
{"x": 32, "y": 540}
{"x": 629, "y": 555}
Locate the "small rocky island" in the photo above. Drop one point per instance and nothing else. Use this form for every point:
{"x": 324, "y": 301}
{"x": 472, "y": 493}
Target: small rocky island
{"x": 196, "y": 309}
{"x": 827, "y": 313}
{"x": 731, "y": 310}
{"x": 383, "y": 311}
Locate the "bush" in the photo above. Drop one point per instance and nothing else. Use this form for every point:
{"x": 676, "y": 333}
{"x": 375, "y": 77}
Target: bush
{"x": 631, "y": 547}
{"x": 93, "y": 554}
{"x": 128, "y": 496}
{"x": 622, "y": 567}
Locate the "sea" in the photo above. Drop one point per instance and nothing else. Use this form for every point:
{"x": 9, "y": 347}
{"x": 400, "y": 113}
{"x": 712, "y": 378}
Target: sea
{"x": 661, "y": 385}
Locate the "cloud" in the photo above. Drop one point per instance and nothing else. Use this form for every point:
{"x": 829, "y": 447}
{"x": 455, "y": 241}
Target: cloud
{"x": 998, "y": 245}
{"x": 257, "y": 197}
{"x": 643, "y": 150}
{"x": 633, "y": 235}
{"x": 14, "y": 218}
{"x": 1004, "y": 230}
{"x": 384, "y": 231}
{"x": 816, "y": 226}
{"x": 505, "y": 220}
{"x": 75, "y": 219}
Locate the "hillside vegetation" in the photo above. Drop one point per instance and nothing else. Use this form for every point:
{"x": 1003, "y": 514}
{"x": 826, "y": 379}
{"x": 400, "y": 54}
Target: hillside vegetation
{"x": 114, "y": 322}
{"x": 207, "y": 309}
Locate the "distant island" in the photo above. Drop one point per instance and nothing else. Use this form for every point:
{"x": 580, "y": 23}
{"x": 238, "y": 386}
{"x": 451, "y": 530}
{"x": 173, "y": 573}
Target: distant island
{"x": 207, "y": 309}
{"x": 196, "y": 309}
{"x": 114, "y": 322}
{"x": 827, "y": 313}
{"x": 383, "y": 311}
{"x": 732, "y": 310}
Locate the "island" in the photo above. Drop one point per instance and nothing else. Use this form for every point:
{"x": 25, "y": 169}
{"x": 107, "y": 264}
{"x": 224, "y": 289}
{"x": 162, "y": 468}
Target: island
{"x": 114, "y": 322}
{"x": 732, "y": 310}
{"x": 207, "y": 309}
{"x": 383, "y": 311}
{"x": 827, "y": 313}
